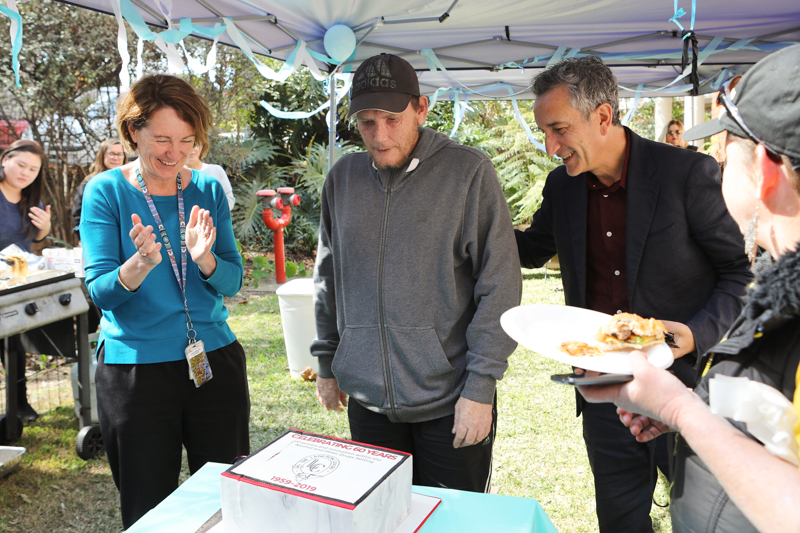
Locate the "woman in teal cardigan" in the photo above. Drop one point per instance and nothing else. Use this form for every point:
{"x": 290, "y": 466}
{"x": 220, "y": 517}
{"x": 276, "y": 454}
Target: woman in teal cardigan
{"x": 152, "y": 399}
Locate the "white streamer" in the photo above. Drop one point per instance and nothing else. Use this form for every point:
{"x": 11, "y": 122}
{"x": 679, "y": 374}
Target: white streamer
{"x": 122, "y": 44}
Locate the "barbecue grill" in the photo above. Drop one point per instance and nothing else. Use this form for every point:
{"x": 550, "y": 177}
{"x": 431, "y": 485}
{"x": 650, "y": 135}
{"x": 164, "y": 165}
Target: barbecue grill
{"x": 47, "y": 297}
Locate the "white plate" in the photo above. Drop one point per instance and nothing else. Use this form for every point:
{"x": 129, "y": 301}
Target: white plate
{"x": 542, "y": 328}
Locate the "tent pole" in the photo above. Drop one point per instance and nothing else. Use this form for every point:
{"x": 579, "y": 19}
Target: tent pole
{"x": 332, "y": 122}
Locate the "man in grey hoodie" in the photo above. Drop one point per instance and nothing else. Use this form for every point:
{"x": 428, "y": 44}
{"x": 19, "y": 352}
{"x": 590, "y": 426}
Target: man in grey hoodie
{"x": 416, "y": 263}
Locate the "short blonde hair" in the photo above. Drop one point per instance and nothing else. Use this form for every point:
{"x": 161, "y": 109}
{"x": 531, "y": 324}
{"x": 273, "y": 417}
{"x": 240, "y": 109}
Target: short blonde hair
{"x": 159, "y": 91}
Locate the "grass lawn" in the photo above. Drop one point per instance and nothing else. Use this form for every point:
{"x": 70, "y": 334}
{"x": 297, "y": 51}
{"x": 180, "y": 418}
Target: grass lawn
{"x": 539, "y": 451}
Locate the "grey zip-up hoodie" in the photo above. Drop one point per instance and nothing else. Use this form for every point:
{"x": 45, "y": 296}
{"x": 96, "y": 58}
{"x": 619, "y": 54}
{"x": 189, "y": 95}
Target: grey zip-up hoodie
{"x": 414, "y": 268}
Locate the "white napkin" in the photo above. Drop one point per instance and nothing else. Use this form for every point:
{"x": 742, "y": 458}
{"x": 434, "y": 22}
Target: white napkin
{"x": 769, "y": 416}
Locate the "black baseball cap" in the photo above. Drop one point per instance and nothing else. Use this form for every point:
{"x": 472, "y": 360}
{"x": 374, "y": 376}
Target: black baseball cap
{"x": 768, "y": 98}
{"x": 384, "y": 82}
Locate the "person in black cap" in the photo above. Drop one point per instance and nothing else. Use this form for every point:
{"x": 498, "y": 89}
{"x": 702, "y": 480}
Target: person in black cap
{"x": 725, "y": 478}
{"x": 416, "y": 263}
{"x": 639, "y": 227}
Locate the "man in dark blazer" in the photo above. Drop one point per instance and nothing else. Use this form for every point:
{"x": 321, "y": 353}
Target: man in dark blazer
{"x": 638, "y": 227}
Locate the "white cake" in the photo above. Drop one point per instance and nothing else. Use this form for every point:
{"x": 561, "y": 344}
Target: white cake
{"x": 302, "y": 482}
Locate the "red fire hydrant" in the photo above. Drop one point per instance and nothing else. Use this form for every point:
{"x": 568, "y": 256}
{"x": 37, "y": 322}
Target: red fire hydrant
{"x": 284, "y": 199}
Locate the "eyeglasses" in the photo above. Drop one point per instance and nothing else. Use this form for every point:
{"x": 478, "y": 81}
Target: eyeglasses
{"x": 115, "y": 155}
{"x": 674, "y": 132}
{"x": 725, "y": 99}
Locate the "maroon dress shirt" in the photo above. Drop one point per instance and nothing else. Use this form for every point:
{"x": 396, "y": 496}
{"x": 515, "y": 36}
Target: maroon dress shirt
{"x": 606, "y": 278}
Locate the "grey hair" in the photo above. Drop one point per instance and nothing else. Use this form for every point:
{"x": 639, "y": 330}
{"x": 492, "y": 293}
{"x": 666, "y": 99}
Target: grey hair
{"x": 589, "y": 81}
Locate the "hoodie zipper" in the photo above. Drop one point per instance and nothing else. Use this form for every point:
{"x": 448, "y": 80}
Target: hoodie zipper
{"x": 386, "y": 369}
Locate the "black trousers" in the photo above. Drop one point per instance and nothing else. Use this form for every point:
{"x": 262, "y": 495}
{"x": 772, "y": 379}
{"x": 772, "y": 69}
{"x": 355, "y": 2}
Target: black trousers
{"x": 436, "y": 462}
{"x": 624, "y": 470}
{"x": 148, "y": 411}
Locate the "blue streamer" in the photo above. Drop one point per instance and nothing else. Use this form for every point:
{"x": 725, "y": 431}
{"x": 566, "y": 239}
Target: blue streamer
{"x": 632, "y": 111}
{"x": 524, "y": 124}
{"x": 459, "y": 110}
{"x": 16, "y": 46}
{"x": 721, "y": 78}
{"x": 173, "y": 36}
{"x": 557, "y": 55}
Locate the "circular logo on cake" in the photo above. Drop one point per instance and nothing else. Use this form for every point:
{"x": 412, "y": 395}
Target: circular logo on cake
{"x": 314, "y": 465}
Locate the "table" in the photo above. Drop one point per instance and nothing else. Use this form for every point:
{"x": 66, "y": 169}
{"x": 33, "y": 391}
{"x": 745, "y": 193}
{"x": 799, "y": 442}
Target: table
{"x": 186, "y": 509}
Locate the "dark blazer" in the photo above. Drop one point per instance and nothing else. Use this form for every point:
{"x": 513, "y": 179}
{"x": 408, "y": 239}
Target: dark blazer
{"x": 684, "y": 253}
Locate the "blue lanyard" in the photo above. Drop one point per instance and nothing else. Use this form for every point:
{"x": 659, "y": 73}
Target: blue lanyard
{"x": 190, "y": 332}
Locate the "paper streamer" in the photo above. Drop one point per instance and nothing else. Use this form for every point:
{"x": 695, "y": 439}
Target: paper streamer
{"x": 122, "y": 45}
{"x": 459, "y": 110}
{"x": 165, "y": 41}
{"x": 524, "y": 124}
{"x": 347, "y": 80}
{"x": 632, "y": 110}
{"x": 15, "y": 30}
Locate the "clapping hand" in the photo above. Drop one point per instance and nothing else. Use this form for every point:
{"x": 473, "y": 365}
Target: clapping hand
{"x": 200, "y": 234}
{"x": 145, "y": 241}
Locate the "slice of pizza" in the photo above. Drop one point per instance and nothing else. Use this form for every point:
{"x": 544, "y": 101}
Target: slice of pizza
{"x": 627, "y": 330}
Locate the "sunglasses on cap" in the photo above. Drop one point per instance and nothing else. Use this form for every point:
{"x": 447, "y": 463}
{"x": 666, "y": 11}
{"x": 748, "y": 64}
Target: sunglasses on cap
{"x": 725, "y": 99}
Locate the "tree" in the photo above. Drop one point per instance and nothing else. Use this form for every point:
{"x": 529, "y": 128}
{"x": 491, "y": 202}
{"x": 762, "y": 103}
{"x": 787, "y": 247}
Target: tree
{"x": 232, "y": 88}
{"x": 69, "y": 70}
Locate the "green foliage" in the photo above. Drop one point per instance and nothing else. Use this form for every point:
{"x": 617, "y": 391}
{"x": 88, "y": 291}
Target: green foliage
{"x": 643, "y": 121}
{"x": 69, "y": 67}
{"x": 521, "y": 167}
{"x": 291, "y": 269}
{"x": 262, "y": 267}
{"x": 242, "y": 160}
{"x": 231, "y": 88}
{"x": 312, "y": 168}
{"x": 301, "y": 92}
{"x": 247, "y": 221}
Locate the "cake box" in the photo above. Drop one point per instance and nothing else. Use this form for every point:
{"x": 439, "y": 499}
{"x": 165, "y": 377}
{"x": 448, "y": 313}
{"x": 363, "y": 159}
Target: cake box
{"x": 303, "y": 482}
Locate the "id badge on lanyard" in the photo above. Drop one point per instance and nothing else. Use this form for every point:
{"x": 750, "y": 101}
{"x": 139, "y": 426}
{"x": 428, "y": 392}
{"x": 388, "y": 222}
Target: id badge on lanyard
{"x": 199, "y": 367}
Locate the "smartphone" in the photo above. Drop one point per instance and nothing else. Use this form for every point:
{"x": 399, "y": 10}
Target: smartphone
{"x": 602, "y": 379}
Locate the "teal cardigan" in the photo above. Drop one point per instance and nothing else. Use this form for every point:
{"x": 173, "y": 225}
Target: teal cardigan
{"x": 149, "y": 325}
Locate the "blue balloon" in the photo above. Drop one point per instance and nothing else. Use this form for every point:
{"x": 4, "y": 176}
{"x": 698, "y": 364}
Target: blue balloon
{"x": 340, "y": 41}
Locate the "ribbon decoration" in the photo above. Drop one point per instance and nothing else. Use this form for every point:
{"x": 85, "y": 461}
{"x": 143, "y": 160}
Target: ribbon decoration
{"x": 721, "y": 78}
{"x": 524, "y": 124}
{"x": 632, "y": 110}
{"x": 166, "y": 41}
{"x": 346, "y": 77}
{"x": 122, "y": 45}
{"x": 459, "y": 110}
{"x": 299, "y": 56}
{"x": 557, "y": 55}
{"x": 15, "y": 30}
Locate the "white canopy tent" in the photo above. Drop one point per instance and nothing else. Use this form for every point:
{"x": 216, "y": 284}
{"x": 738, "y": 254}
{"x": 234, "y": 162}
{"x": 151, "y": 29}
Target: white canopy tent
{"x": 488, "y": 46}
{"x": 479, "y": 49}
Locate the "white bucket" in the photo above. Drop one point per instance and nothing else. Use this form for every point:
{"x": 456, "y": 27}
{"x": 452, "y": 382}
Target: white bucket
{"x": 296, "y": 299}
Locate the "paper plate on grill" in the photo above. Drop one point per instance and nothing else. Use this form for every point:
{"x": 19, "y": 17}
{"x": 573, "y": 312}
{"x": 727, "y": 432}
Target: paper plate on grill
{"x": 542, "y": 328}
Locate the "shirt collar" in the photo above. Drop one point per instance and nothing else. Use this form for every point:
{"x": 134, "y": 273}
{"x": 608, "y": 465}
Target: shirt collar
{"x": 595, "y": 184}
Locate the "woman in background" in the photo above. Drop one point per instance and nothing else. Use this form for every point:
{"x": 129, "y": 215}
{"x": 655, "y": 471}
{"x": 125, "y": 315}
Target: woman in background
{"x": 215, "y": 170}
{"x": 23, "y": 221}
{"x": 673, "y": 134}
{"x": 110, "y": 155}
